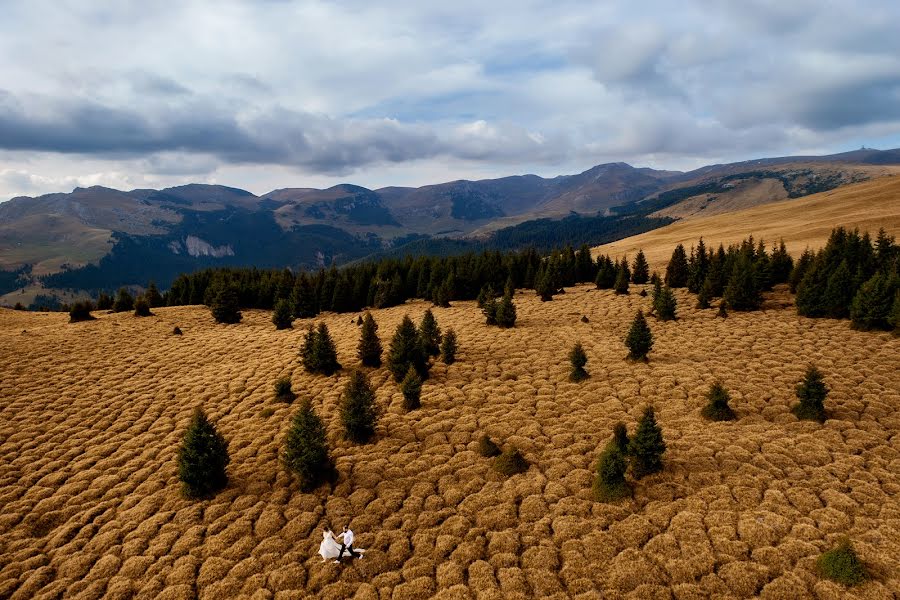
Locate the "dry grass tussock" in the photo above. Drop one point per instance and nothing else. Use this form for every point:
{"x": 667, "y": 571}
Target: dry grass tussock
{"x": 91, "y": 415}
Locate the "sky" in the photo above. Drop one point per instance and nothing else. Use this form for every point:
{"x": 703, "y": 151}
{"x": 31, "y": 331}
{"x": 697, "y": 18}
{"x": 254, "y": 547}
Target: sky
{"x": 270, "y": 94}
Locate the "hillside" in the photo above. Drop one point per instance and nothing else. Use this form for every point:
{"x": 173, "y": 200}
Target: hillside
{"x": 91, "y": 501}
{"x": 802, "y": 223}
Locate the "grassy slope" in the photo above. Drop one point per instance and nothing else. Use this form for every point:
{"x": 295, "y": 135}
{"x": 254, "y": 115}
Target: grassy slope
{"x": 804, "y": 222}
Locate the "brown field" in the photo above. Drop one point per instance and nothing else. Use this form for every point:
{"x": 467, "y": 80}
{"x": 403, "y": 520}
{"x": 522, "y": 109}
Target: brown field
{"x": 804, "y": 222}
{"x": 92, "y": 414}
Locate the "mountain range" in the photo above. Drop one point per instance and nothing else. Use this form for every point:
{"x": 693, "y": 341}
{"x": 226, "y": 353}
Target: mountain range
{"x": 99, "y": 237}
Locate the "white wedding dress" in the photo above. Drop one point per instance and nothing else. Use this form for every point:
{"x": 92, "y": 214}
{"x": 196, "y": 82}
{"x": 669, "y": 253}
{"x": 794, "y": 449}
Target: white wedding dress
{"x": 330, "y": 547}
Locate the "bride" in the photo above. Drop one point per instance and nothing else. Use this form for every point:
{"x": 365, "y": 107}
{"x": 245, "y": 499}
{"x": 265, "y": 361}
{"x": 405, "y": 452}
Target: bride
{"x": 330, "y": 547}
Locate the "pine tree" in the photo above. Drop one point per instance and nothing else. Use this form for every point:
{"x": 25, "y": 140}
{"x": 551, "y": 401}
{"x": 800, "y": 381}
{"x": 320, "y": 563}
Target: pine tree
{"x": 411, "y": 386}
{"x": 104, "y": 301}
{"x": 698, "y": 267}
{"x": 307, "y": 351}
{"x": 303, "y": 298}
{"x": 406, "y": 351}
{"x": 487, "y": 293}
{"x": 811, "y": 392}
{"x": 142, "y": 307}
{"x": 639, "y": 339}
{"x": 620, "y": 438}
{"x": 609, "y": 483}
{"x": 448, "y": 347}
{"x": 705, "y": 294}
{"x": 717, "y": 408}
{"x": 647, "y": 446}
{"x": 811, "y": 289}
{"x": 871, "y": 306}
{"x": 370, "y": 349}
{"x": 781, "y": 264}
{"x": 489, "y": 309}
{"x": 306, "y": 449}
{"x": 281, "y": 316}
{"x": 430, "y": 334}
{"x": 224, "y": 305}
{"x": 359, "y": 412}
{"x": 606, "y": 274}
{"x": 799, "y": 270}
{"x": 124, "y": 301}
{"x": 640, "y": 270}
{"x": 664, "y": 305}
{"x": 202, "y": 458}
{"x": 506, "y": 312}
{"x": 443, "y": 294}
{"x": 319, "y": 354}
{"x": 894, "y": 317}
{"x": 621, "y": 285}
{"x": 839, "y": 292}
{"x": 81, "y": 311}
{"x": 657, "y": 292}
{"x": 578, "y": 358}
{"x": 152, "y": 295}
{"x": 677, "y": 270}
{"x": 544, "y": 284}
{"x": 742, "y": 292}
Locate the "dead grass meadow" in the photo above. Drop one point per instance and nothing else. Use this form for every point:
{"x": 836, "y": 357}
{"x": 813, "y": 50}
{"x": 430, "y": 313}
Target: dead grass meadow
{"x": 91, "y": 415}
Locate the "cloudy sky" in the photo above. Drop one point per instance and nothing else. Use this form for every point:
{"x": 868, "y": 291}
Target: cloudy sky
{"x": 273, "y": 93}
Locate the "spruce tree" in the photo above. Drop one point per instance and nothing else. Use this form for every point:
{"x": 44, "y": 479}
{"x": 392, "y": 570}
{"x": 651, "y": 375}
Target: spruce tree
{"x": 799, "y": 269}
{"x": 717, "y": 408}
{"x": 894, "y": 317}
{"x": 811, "y": 392}
{"x": 406, "y": 351}
{"x": 142, "y": 307}
{"x": 81, "y": 311}
{"x": 307, "y": 351}
{"x": 443, "y": 294}
{"x": 283, "y": 391}
{"x": 202, "y": 458}
{"x": 639, "y": 339}
{"x": 621, "y": 285}
{"x": 281, "y": 316}
{"x": 578, "y": 358}
{"x": 544, "y": 284}
{"x": 606, "y": 274}
{"x": 811, "y": 288}
{"x": 781, "y": 264}
{"x": 152, "y": 295}
{"x": 448, "y": 347}
{"x": 705, "y": 294}
{"x": 646, "y": 446}
{"x": 124, "y": 301}
{"x": 640, "y": 270}
{"x": 359, "y": 412}
{"x": 742, "y": 292}
{"x": 839, "y": 292}
{"x": 609, "y": 483}
{"x": 370, "y": 349}
{"x": 511, "y": 462}
{"x": 489, "y": 309}
{"x": 843, "y": 565}
{"x": 325, "y": 351}
{"x": 224, "y": 305}
{"x": 620, "y": 438}
{"x": 303, "y": 298}
{"x": 506, "y": 312}
{"x": 306, "y": 449}
{"x": 487, "y": 447}
{"x": 664, "y": 305}
{"x": 430, "y": 334}
{"x": 871, "y": 306}
{"x": 677, "y": 270}
{"x": 487, "y": 293}
{"x": 104, "y": 301}
{"x": 411, "y": 386}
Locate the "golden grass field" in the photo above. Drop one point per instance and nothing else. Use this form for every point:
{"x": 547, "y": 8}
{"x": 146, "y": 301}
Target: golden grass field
{"x": 91, "y": 415}
{"x": 803, "y": 222}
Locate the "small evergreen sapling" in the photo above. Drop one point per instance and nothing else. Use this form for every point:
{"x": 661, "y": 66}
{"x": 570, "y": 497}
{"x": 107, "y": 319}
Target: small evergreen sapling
{"x": 430, "y": 334}
{"x": 705, "y": 294}
{"x": 487, "y": 448}
{"x": 578, "y": 358}
{"x": 142, "y": 307}
{"x": 664, "y": 304}
{"x": 281, "y": 316}
{"x": 406, "y": 351}
{"x": 511, "y": 462}
{"x": 370, "y": 349}
{"x": 225, "y": 306}
{"x": 411, "y": 386}
{"x": 359, "y": 412}
{"x": 717, "y": 408}
{"x": 639, "y": 339}
{"x": 842, "y": 564}
{"x": 609, "y": 483}
{"x": 620, "y": 437}
{"x": 306, "y": 449}
{"x": 621, "y": 285}
{"x": 202, "y": 458}
{"x": 811, "y": 392}
{"x": 154, "y": 298}
{"x": 81, "y": 311}
{"x": 506, "y": 312}
{"x": 646, "y": 446}
{"x": 448, "y": 347}
{"x": 124, "y": 301}
{"x": 283, "y": 391}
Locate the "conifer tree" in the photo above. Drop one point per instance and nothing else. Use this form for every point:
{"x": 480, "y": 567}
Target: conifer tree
{"x": 584, "y": 264}
{"x": 640, "y": 270}
{"x": 359, "y": 412}
{"x": 307, "y": 351}
{"x": 639, "y": 339}
{"x": 81, "y": 311}
{"x": 894, "y": 317}
{"x": 677, "y": 270}
{"x": 430, "y": 334}
{"x": 811, "y": 392}
{"x": 544, "y": 284}
{"x": 202, "y": 458}
{"x": 224, "y": 305}
{"x": 489, "y": 309}
{"x": 717, "y": 408}
{"x": 370, "y": 349}
{"x": 406, "y": 351}
{"x": 283, "y": 391}
{"x": 698, "y": 267}
{"x": 142, "y": 307}
{"x": 511, "y": 462}
{"x": 838, "y": 292}
{"x": 871, "y": 306}
{"x": 487, "y": 447}
{"x": 487, "y": 293}
{"x": 411, "y": 386}
{"x": 303, "y": 298}
{"x": 621, "y": 285}
{"x": 742, "y": 292}
{"x": 664, "y": 305}
{"x": 646, "y": 446}
{"x": 505, "y": 315}
{"x": 281, "y": 316}
{"x": 657, "y": 292}
{"x": 124, "y": 301}
{"x": 781, "y": 264}
{"x": 609, "y": 483}
{"x": 306, "y": 449}
{"x": 606, "y": 273}
{"x": 578, "y": 358}
{"x": 104, "y": 301}
{"x": 319, "y": 354}
{"x": 152, "y": 295}
{"x": 799, "y": 269}
{"x": 443, "y": 294}
{"x": 620, "y": 438}
{"x": 448, "y": 347}
{"x": 705, "y": 294}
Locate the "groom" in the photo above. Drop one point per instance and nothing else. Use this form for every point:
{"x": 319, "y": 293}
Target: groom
{"x": 346, "y": 544}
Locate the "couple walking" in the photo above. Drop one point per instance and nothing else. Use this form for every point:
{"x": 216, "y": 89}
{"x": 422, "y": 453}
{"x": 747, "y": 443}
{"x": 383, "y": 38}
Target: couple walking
{"x": 330, "y": 548}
